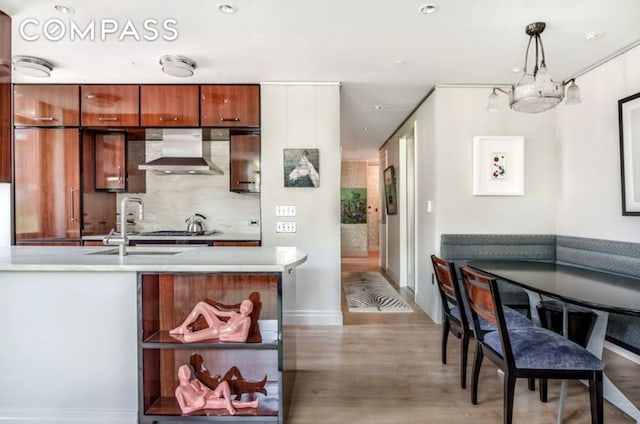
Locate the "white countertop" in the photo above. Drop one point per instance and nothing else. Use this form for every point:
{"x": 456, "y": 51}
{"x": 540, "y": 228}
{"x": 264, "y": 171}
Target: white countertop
{"x": 159, "y": 259}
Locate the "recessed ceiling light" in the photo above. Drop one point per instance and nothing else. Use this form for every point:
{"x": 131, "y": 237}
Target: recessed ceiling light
{"x": 592, "y": 36}
{"x": 227, "y": 8}
{"x": 400, "y": 62}
{"x": 428, "y": 9}
{"x": 67, "y": 10}
{"x": 32, "y": 66}
{"x": 516, "y": 70}
{"x": 177, "y": 66}
{"x": 378, "y": 107}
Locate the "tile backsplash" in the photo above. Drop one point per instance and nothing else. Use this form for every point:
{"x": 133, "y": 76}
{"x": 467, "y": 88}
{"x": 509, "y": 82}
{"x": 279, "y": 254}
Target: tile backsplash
{"x": 171, "y": 198}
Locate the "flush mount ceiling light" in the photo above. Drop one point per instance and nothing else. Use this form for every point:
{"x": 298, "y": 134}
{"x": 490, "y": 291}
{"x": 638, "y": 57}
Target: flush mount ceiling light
{"x": 536, "y": 91}
{"x": 32, "y": 66}
{"x": 177, "y": 66}
{"x": 428, "y": 9}
{"x": 227, "y": 9}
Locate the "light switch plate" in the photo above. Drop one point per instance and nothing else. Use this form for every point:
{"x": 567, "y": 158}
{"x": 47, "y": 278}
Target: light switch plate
{"x": 285, "y": 227}
{"x": 285, "y": 211}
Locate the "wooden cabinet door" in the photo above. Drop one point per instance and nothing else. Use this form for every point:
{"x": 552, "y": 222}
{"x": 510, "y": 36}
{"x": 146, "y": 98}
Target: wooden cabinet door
{"x": 245, "y": 163}
{"x": 230, "y": 105}
{"x": 47, "y": 183}
{"x": 5, "y": 98}
{"x": 46, "y": 105}
{"x": 169, "y": 105}
{"x": 110, "y": 159}
{"x": 110, "y": 105}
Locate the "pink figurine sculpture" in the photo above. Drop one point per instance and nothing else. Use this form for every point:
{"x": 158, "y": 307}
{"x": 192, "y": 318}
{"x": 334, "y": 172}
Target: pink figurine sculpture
{"x": 228, "y": 326}
{"x": 194, "y": 396}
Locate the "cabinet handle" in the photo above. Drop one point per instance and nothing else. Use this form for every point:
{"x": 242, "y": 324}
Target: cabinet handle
{"x": 230, "y": 119}
{"x": 119, "y": 174}
{"x": 73, "y": 204}
{"x": 169, "y": 118}
{"x": 45, "y": 118}
{"x": 245, "y": 182}
{"x": 108, "y": 118}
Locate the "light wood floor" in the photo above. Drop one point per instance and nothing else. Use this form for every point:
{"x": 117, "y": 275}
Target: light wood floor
{"x": 385, "y": 368}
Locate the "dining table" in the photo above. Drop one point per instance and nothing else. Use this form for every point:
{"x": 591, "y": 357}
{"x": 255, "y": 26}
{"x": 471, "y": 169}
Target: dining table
{"x": 599, "y": 291}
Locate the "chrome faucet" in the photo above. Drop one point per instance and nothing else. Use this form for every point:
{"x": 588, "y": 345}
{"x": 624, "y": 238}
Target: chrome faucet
{"x": 122, "y": 241}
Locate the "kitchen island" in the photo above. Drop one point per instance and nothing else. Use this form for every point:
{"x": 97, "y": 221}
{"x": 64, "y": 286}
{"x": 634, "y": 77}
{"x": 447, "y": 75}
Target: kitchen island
{"x": 86, "y": 331}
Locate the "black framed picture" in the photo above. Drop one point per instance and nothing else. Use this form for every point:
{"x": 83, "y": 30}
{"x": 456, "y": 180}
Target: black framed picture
{"x": 390, "y": 197}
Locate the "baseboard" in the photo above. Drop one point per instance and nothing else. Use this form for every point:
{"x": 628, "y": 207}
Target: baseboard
{"x": 622, "y": 352}
{"x": 67, "y": 416}
{"x": 312, "y": 318}
{"x": 427, "y": 308}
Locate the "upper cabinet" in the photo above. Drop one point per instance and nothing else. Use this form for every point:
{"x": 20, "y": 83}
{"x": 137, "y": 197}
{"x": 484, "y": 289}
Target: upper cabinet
{"x": 244, "y": 174}
{"x": 230, "y": 105}
{"x": 169, "y": 105}
{"x": 5, "y": 98}
{"x": 110, "y": 105}
{"x": 46, "y": 105}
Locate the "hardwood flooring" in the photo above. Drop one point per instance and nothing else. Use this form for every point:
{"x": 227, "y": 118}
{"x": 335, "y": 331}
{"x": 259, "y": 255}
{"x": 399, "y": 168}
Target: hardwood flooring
{"x": 385, "y": 368}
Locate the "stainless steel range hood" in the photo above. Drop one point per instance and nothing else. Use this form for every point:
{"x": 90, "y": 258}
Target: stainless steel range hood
{"x": 182, "y": 153}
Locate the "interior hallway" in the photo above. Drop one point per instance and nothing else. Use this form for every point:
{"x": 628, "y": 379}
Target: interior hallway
{"x": 385, "y": 368}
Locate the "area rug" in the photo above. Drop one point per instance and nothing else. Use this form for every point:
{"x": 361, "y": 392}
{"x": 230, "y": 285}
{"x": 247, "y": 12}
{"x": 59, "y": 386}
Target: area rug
{"x": 370, "y": 292}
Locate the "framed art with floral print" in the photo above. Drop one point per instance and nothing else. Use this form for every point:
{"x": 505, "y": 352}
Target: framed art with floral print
{"x": 629, "y": 122}
{"x": 498, "y": 166}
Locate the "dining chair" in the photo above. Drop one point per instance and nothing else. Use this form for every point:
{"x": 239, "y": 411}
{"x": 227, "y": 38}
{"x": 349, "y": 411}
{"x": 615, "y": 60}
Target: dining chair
{"x": 458, "y": 323}
{"x": 531, "y": 352}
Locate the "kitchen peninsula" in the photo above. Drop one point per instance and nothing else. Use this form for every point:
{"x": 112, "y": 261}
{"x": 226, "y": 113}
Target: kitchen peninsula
{"x": 86, "y": 331}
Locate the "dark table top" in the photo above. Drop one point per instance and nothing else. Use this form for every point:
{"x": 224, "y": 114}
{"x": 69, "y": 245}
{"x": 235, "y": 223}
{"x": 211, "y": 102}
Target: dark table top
{"x": 592, "y": 289}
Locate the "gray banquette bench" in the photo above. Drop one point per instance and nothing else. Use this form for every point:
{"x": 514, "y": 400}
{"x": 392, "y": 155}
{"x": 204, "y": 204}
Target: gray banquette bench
{"x": 603, "y": 255}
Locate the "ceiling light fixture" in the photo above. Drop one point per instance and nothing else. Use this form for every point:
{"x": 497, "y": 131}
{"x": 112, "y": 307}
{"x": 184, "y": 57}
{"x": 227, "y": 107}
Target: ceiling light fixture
{"x": 67, "y": 10}
{"x": 177, "y": 66}
{"x": 227, "y": 9}
{"x": 535, "y": 91}
{"x": 428, "y": 9}
{"x": 32, "y": 66}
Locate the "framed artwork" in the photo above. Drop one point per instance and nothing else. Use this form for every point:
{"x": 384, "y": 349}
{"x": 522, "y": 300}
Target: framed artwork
{"x": 498, "y": 166}
{"x": 353, "y": 205}
{"x": 390, "y": 197}
{"x": 301, "y": 168}
{"x": 629, "y": 122}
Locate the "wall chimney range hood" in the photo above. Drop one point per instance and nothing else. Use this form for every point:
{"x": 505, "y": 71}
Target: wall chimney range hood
{"x": 182, "y": 154}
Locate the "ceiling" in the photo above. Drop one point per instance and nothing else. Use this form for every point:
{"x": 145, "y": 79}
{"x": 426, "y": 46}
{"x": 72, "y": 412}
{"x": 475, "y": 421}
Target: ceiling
{"x": 386, "y": 54}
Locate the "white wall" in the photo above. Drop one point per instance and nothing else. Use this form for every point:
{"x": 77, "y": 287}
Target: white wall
{"x": 305, "y": 116}
{"x": 5, "y": 214}
{"x": 591, "y": 195}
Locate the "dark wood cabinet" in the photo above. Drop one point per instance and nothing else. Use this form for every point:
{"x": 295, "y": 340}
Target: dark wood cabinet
{"x": 230, "y": 106}
{"x": 110, "y": 105}
{"x": 166, "y": 300}
{"x": 244, "y": 165}
{"x": 46, "y": 105}
{"x": 47, "y": 184}
{"x": 236, "y": 243}
{"x": 98, "y": 207}
{"x": 5, "y": 98}
{"x": 110, "y": 161}
{"x": 169, "y": 105}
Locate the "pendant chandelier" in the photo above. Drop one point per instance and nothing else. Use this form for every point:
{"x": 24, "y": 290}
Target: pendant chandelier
{"x": 536, "y": 91}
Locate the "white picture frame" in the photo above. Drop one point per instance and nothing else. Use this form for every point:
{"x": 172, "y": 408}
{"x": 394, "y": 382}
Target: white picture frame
{"x": 629, "y": 123}
{"x": 498, "y": 166}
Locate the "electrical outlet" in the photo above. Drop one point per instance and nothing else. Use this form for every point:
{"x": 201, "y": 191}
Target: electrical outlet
{"x": 285, "y": 227}
{"x": 285, "y": 211}
{"x": 253, "y": 222}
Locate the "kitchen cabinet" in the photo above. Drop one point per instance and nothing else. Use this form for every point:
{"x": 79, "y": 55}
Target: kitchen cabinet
{"x": 47, "y": 184}
{"x": 5, "y": 98}
{"x": 244, "y": 167}
{"x": 98, "y": 207}
{"x": 236, "y": 243}
{"x": 230, "y": 105}
{"x": 110, "y": 161}
{"x": 169, "y": 105}
{"x": 166, "y": 300}
{"x": 46, "y": 105}
{"x": 110, "y": 105}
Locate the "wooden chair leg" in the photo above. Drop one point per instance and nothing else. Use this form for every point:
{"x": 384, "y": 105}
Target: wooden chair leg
{"x": 477, "y": 363}
{"x": 596, "y": 398}
{"x": 509, "y": 390}
{"x": 463, "y": 360}
{"x": 445, "y": 336}
{"x": 543, "y": 390}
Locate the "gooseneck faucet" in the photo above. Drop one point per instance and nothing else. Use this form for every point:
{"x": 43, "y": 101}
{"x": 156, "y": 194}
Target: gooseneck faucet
{"x": 122, "y": 241}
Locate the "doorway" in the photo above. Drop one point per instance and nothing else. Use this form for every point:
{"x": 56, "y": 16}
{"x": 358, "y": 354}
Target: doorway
{"x": 407, "y": 203}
